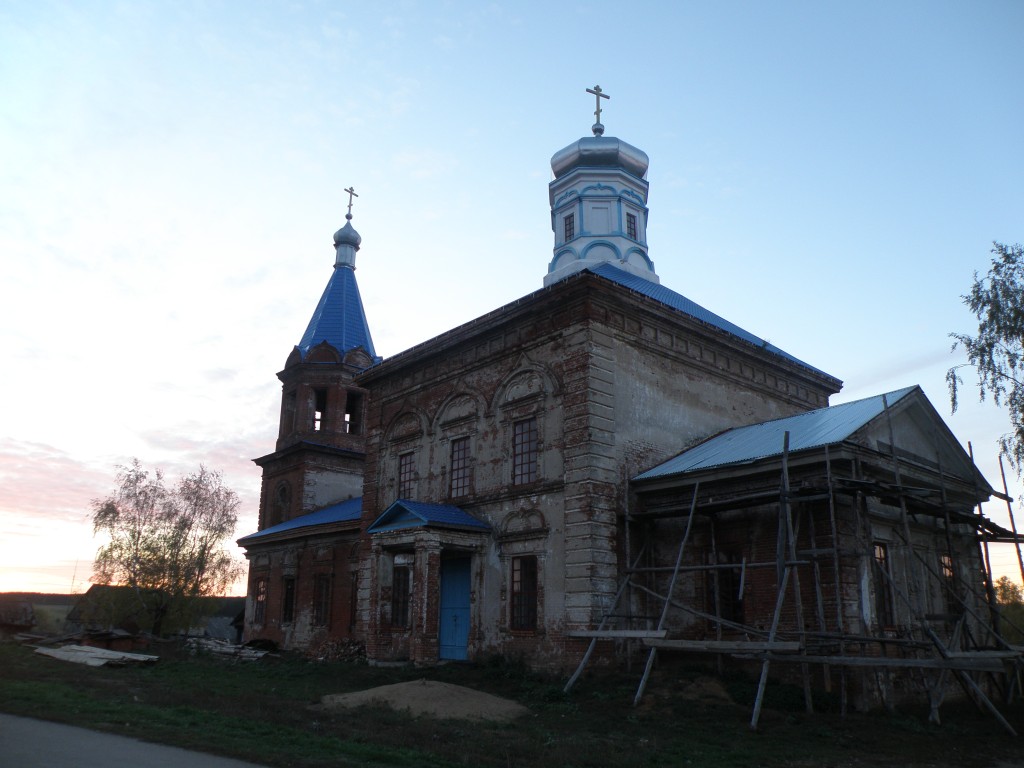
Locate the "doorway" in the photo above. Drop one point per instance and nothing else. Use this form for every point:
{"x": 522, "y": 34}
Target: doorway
{"x": 453, "y": 629}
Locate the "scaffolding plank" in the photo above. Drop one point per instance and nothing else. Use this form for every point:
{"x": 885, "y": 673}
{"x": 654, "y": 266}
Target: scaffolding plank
{"x": 612, "y": 634}
{"x": 726, "y": 646}
{"x": 973, "y": 665}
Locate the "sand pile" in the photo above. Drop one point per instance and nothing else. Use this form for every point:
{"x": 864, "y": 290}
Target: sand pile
{"x": 426, "y": 697}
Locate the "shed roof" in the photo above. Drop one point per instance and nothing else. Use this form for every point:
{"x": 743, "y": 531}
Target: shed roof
{"x": 405, "y": 513}
{"x": 813, "y": 429}
{"x": 342, "y": 512}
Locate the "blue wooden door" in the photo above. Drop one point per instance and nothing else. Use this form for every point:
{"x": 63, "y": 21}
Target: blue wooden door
{"x": 454, "y": 625}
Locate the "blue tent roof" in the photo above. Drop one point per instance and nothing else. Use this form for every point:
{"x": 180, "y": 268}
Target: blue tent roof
{"x": 814, "y": 429}
{"x": 342, "y": 512}
{"x": 417, "y": 514}
{"x": 683, "y": 304}
{"x": 339, "y": 318}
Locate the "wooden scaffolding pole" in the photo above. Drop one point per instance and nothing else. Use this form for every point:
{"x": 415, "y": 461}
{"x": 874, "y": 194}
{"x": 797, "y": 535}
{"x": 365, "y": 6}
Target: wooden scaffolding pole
{"x": 990, "y": 588}
{"x": 668, "y": 596}
{"x": 785, "y": 545}
{"x": 837, "y": 574}
{"x": 791, "y": 533}
{"x": 1013, "y": 523}
{"x": 595, "y": 638}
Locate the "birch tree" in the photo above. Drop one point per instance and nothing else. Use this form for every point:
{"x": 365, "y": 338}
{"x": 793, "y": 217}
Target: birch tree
{"x": 997, "y": 351}
{"x": 166, "y": 543}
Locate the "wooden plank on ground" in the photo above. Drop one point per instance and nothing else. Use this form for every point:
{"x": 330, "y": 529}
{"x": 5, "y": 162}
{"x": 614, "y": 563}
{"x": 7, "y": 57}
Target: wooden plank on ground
{"x": 95, "y": 657}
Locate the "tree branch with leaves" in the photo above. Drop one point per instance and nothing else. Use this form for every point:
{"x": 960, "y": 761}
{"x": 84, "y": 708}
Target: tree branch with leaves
{"x": 167, "y": 544}
{"x": 997, "y": 351}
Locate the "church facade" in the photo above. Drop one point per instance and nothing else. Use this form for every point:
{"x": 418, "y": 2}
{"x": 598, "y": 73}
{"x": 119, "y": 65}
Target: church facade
{"x": 525, "y": 484}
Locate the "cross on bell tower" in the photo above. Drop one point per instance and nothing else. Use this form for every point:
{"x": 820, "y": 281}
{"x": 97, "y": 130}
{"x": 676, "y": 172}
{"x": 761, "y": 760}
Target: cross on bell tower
{"x": 351, "y": 193}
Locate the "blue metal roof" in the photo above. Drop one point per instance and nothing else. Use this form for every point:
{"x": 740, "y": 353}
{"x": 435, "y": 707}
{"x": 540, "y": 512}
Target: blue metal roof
{"x": 339, "y": 318}
{"x": 417, "y": 514}
{"x": 678, "y": 301}
{"x": 342, "y": 512}
{"x": 814, "y": 429}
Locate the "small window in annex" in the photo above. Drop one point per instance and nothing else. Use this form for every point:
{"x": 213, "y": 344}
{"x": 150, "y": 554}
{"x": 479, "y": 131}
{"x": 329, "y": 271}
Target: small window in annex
{"x": 406, "y": 475}
{"x": 631, "y": 225}
{"x": 524, "y": 593}
{"x": 524, "y": 451}
{"x": 569, "y": 222}
{"x": 321, "y": 599}
{"x": 460, "y": 467}
{"x": 259, "y": 603}
{"x": 288, "y": 601}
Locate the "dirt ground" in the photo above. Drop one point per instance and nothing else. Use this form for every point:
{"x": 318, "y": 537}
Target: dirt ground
{"x": 428, "y": 697}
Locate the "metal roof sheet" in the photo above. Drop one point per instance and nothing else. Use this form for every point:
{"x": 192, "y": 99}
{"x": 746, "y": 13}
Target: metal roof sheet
{"x": 678, "y": 301}
{"x": 339, "y": 318}
{"x": 405, "y": 513}
{"x": 342, "y": 512}
{"x": 814, "y": 429}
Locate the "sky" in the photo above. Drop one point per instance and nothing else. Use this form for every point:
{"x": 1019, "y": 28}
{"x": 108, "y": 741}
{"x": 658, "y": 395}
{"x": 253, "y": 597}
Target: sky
{"x": 828, "y": 176}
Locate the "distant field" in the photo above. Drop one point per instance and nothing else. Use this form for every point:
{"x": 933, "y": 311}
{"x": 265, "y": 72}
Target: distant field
{"x": 266, "y": 711}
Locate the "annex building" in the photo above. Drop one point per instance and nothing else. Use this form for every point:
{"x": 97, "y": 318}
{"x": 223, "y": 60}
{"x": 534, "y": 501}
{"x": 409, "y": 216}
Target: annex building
{"x": 604, "y": 466}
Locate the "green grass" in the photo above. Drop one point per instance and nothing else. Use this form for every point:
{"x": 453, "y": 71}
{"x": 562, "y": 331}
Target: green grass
{"x": 265, "y": 712}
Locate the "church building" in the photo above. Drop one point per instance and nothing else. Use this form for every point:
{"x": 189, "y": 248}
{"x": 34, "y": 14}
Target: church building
{"x": 601, "y": 463}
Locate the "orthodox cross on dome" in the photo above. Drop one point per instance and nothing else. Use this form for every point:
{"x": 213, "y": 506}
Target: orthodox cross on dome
{"x": 598, "y": 95}
{"x": 351, "y": 193}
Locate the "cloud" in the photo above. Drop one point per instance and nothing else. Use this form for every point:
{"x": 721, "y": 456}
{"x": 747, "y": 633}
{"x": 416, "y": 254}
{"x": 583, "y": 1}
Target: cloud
{"x": 43, "y": 482}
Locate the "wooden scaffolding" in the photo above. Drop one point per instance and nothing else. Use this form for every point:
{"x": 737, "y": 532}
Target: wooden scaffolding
{"x": 825, "y": 564}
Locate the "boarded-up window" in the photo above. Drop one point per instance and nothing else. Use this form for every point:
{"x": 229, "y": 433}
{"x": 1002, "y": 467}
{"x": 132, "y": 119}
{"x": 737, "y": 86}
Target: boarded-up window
{"x": 321, "y": 600}
{"x": 288, "y": 601}
{"x": 281, "y": 507}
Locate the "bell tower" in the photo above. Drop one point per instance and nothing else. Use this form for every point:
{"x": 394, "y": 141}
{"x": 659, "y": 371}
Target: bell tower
{"x": 321, "y": 445}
